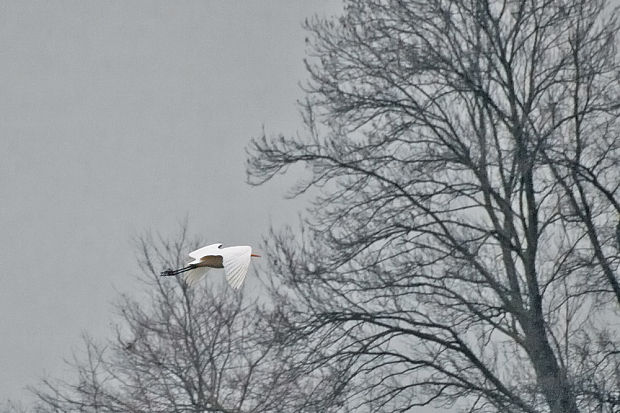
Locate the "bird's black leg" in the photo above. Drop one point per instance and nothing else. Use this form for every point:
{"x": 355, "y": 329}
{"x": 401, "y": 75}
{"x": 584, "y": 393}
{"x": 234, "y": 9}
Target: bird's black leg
{"x": 168, "y": 273}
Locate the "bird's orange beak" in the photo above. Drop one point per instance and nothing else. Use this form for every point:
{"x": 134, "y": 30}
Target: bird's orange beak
{"x": 254, "y": 255}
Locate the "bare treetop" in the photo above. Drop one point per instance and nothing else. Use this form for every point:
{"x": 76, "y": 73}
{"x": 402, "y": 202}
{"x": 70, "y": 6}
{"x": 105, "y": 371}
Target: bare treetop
{"x": 462, "y": 243}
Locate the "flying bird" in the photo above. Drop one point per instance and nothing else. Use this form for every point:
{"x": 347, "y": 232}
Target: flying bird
{"x": 234, "y": 260}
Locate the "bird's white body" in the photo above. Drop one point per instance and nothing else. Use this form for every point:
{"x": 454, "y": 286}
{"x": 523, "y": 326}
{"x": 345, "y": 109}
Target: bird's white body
{"x": 234, "y": 260}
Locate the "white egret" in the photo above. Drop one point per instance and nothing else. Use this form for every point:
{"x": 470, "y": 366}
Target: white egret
{"x": 234, "y": 260}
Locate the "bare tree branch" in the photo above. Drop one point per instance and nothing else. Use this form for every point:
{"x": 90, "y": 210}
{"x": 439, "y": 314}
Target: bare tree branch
{"x": 461, "y": 247}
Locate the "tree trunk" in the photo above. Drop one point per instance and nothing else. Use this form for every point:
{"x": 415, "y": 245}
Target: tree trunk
{"x": 551, "y": 377}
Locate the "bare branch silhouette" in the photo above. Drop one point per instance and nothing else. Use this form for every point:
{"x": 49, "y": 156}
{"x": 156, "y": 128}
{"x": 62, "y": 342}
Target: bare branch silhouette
{"x": 461, "y": 249}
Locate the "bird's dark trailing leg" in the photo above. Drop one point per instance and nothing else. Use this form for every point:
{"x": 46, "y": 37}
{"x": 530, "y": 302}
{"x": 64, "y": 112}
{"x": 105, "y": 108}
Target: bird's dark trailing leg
{"x": 169, "y": 273}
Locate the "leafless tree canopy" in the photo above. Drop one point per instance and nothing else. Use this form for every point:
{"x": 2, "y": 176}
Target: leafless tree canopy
{"x": 181, "y": 350}
{"x": 461, "y": 249}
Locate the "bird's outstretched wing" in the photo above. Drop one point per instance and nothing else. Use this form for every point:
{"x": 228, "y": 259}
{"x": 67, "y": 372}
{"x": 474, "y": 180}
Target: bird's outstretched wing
{"x": 236, "y": 264}
{"x": 192, "y": 277}
{"x": 213, "y": 249}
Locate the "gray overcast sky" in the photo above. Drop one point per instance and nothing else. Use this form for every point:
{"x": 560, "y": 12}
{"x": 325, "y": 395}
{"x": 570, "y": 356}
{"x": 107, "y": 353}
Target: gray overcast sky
{"x": 117, "y": 117}
{"x": 121, "y": 116}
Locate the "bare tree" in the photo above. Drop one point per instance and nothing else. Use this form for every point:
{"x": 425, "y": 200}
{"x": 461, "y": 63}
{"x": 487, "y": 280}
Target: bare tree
{"x": 181, "y": 350}
{"x": 461, "y": 248}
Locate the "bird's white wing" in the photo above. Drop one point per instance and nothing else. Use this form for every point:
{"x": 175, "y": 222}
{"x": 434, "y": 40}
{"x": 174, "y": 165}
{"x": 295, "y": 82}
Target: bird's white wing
{"x": 192, "y": 277}
{"x": 213, "y": 249}
{"x": 236, "y": 262}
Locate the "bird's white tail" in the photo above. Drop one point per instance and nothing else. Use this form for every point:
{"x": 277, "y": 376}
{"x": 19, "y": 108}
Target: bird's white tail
{"x": 193, "y": 277}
